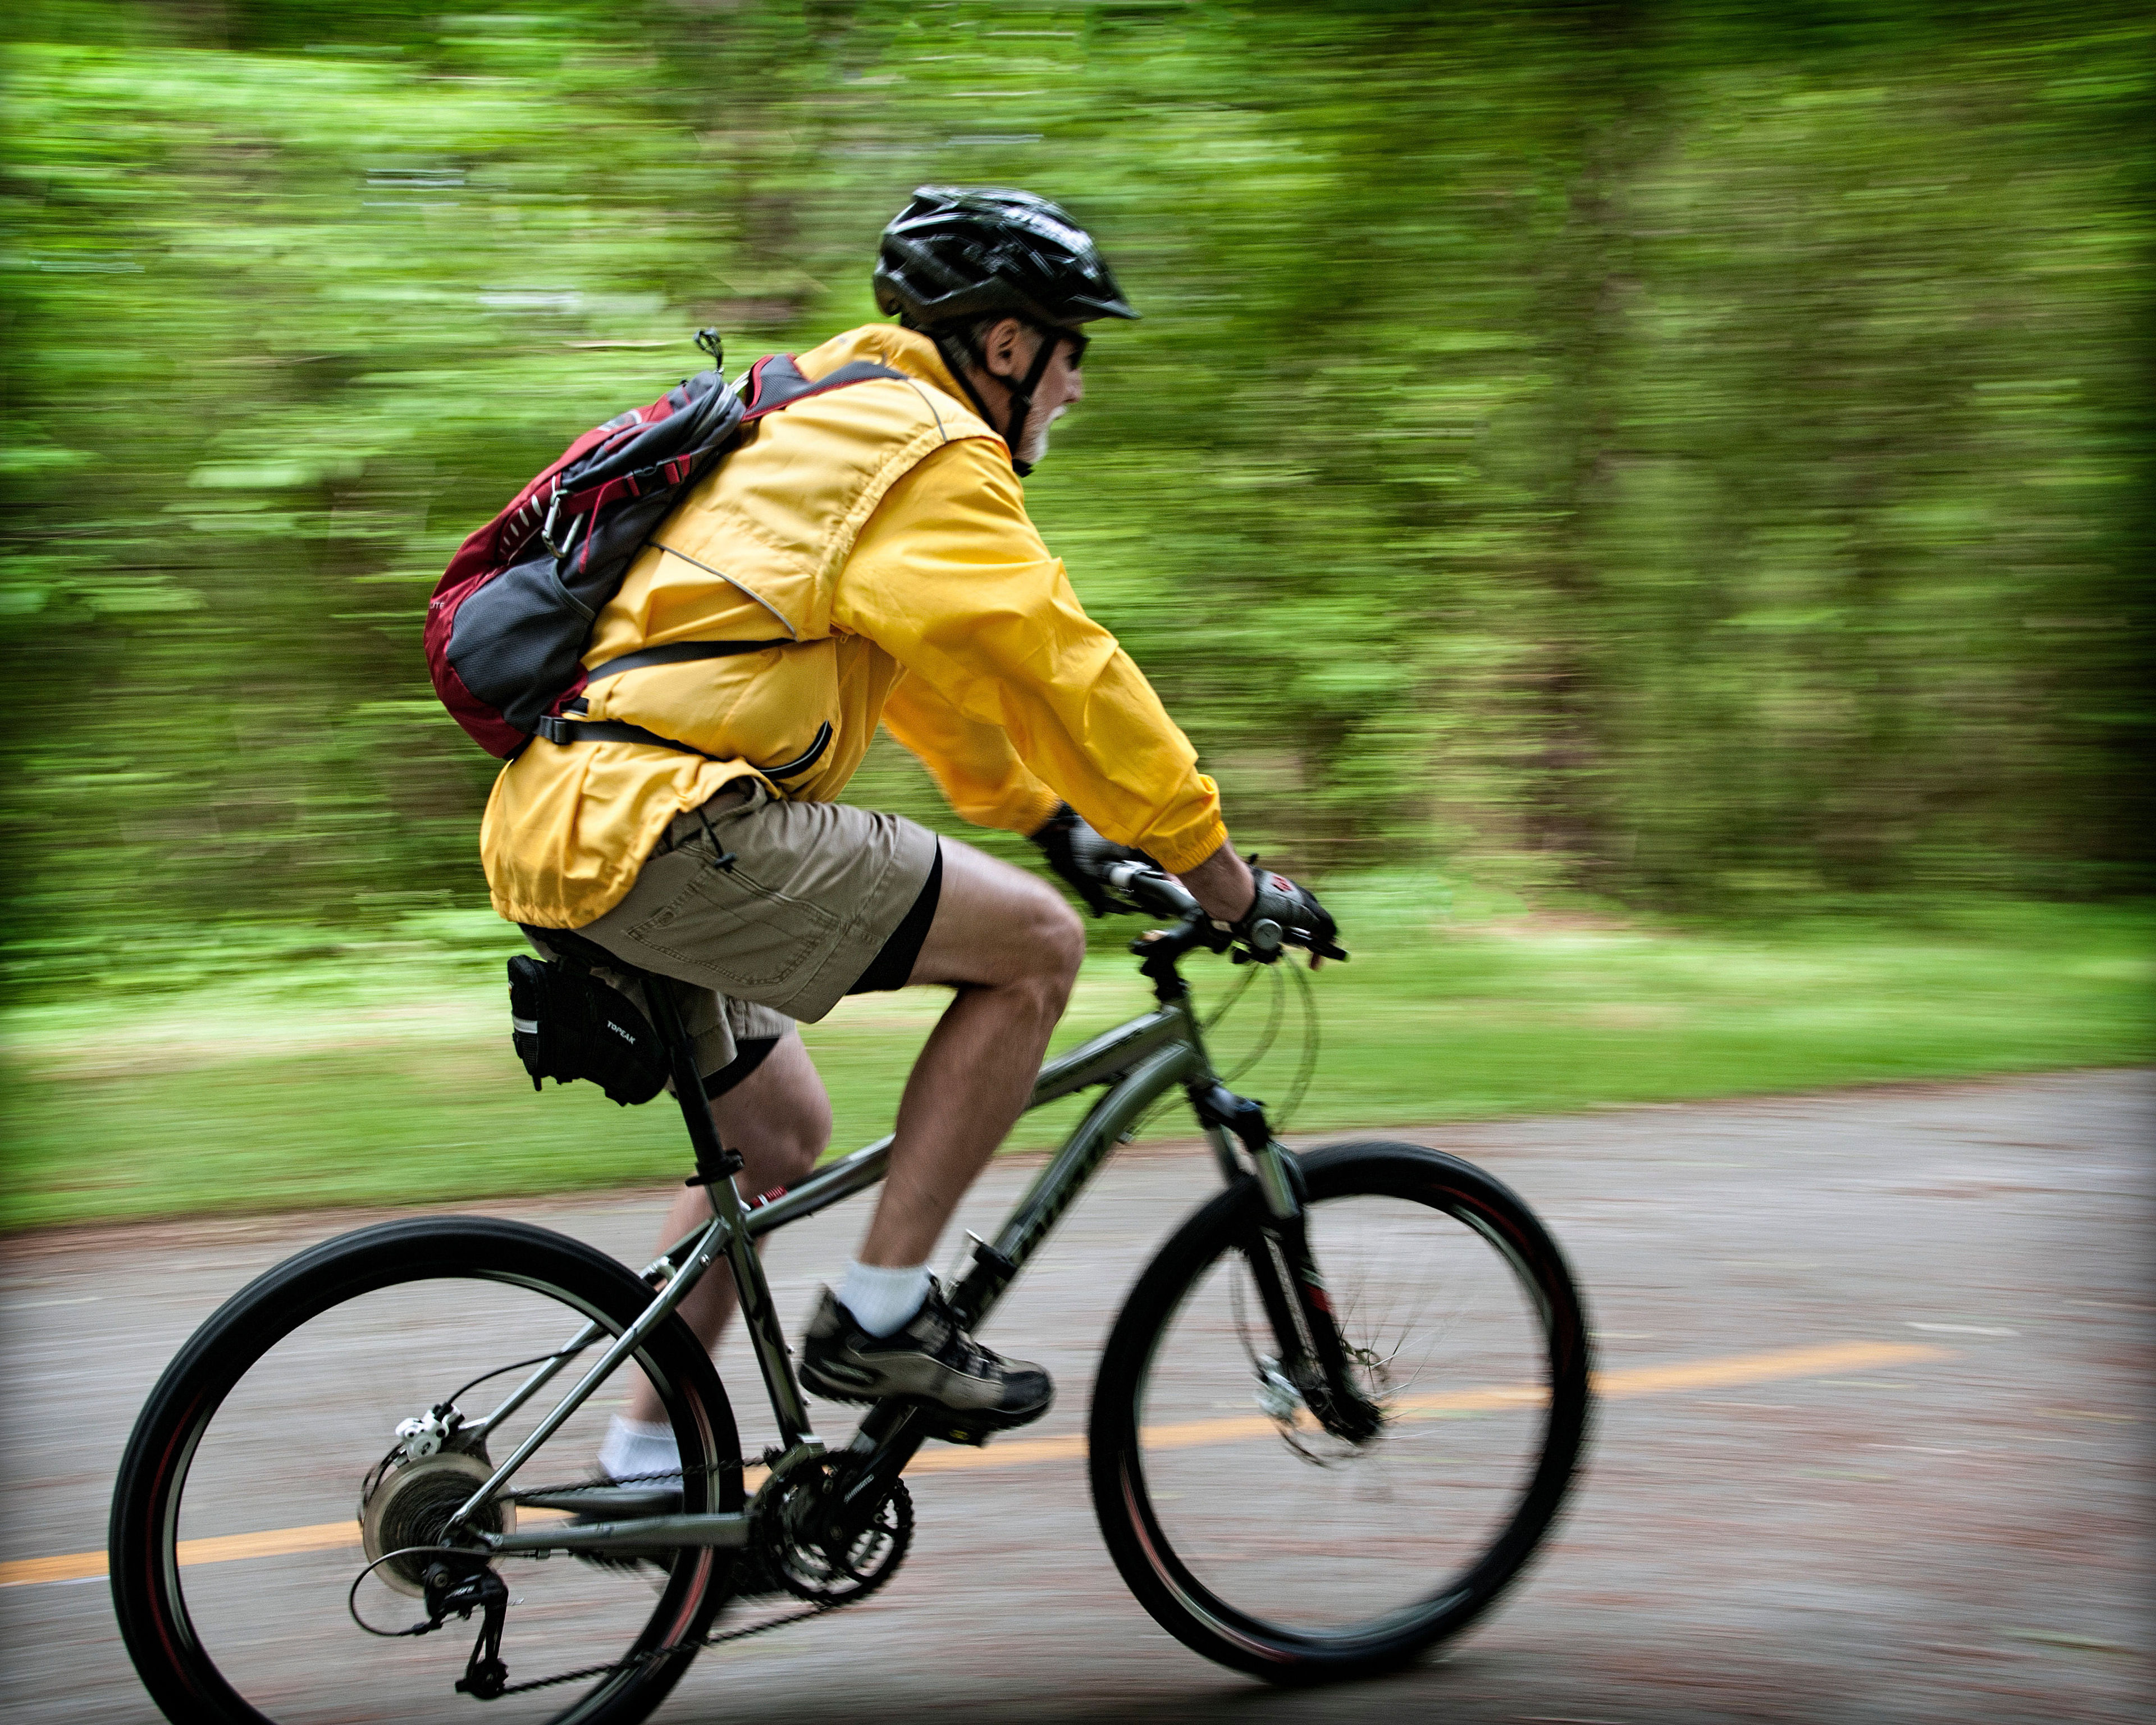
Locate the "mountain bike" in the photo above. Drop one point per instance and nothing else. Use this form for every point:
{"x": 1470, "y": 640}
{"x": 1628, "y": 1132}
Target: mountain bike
{"x": 1336, "y": 1415}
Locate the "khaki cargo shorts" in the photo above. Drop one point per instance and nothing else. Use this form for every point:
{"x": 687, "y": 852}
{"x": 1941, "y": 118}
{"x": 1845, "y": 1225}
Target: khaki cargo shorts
{"x": 779, "y": 933}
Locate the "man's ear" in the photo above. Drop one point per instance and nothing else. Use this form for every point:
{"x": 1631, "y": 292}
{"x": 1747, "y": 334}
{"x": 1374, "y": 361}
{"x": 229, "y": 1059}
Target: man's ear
{"x": 999, "y": 348}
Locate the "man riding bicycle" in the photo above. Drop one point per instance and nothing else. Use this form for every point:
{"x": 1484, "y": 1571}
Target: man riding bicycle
{"x": 882, "y": 526}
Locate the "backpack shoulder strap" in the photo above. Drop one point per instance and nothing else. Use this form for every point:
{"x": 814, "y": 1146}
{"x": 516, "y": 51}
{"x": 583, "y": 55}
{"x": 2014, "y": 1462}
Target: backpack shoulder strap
{"x": 776, "y": 383}
{"x": 676, "y": 653}
{"x": 565, "y": 728}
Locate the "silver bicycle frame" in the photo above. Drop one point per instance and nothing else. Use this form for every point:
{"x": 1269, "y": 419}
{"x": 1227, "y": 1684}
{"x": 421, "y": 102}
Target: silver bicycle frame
{"x": 1137, "y": 1061}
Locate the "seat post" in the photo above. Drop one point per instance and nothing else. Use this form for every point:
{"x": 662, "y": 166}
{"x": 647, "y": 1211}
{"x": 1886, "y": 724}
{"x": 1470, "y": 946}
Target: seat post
{"x": 715, "y": 1168}
{"x": 714, "y": 1161}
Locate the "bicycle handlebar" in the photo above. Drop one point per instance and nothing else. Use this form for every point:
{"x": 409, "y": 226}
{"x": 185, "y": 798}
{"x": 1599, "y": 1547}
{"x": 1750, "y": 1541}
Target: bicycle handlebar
{"x": 1151, "y": 889}
{"x": 1158, "y": 893}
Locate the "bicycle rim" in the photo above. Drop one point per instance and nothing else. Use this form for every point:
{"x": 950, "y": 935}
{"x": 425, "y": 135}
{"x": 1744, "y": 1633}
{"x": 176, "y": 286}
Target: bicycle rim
{"x": 276, "y": 1441}
{"x": 1264, "y": 1541}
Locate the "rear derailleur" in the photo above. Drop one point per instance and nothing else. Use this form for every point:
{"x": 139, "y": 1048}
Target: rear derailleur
{"x": 457, "y": 1586}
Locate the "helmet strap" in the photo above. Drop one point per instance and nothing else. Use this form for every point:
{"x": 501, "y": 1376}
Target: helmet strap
{"x": 1021, "y": 397}
{"x": 955, "y": 342}
{"x": 957, "y": 345}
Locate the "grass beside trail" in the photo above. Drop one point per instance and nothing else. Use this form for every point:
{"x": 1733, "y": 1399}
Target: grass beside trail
{"x": 384, "y": 1075}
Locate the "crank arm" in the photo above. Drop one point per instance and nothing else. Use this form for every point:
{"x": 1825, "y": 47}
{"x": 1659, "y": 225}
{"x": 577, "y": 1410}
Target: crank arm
{"x": 889, "y": 1436}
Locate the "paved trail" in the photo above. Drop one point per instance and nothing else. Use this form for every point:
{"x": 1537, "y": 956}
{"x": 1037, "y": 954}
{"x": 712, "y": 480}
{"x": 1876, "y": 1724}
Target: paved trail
{"x": 1942, "y": 1511}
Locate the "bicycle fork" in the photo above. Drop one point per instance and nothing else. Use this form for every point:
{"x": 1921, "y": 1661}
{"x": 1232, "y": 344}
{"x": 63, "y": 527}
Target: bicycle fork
{"x": 1313, "y": 1359}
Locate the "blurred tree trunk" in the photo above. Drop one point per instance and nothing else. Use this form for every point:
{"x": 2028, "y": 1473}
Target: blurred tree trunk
{"x": 1615, "y": 124}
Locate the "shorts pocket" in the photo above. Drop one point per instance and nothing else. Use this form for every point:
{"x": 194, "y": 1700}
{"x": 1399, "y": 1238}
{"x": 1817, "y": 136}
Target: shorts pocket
{"x": 740, "y": 937}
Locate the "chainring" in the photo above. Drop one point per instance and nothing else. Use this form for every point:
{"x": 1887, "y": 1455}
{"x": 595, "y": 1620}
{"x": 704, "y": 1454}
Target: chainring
{"x": 411, "y": 1505}
{"x": 791, "y": 1530}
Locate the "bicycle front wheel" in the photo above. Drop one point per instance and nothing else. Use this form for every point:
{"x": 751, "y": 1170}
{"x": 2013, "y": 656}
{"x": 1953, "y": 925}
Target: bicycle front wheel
{"x": 1263, "y": 1541}
{"x": 267, "y": 1473}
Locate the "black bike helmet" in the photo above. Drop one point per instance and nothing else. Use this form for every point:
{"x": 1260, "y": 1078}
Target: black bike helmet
{"x": 957, "y": 254}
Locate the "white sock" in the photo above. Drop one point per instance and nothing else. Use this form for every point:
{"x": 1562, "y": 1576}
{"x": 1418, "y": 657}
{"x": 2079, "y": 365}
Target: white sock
{"x": 635, "y": 1446}
{"x": 881, "y": 1300}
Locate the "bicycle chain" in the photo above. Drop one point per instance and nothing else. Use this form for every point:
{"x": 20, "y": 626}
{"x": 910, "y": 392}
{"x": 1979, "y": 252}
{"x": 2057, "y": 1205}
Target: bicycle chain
{"x": 653, "y": 1656}
{"x": 627, "y": 1479}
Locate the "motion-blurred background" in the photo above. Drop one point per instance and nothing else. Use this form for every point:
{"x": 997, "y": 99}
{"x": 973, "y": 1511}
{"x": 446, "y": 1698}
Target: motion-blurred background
{"x": 1649, "y": 504}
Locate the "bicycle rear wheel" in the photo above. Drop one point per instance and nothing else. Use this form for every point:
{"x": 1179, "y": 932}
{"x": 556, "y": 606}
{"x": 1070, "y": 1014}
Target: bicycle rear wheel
{"x": 236, "y": 1527}
{"x": 1262, "y": 1542}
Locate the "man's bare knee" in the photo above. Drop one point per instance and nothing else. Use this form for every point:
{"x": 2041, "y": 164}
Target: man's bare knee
{"x": 790, "y": 1148}
{"x": 779, "y": 1116}
{"x": 998, "y": 927}
{"x": 1062, "y": 939}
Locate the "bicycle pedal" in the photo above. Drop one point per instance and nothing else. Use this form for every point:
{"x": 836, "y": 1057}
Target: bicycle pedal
{"x": 957, "y": 1428}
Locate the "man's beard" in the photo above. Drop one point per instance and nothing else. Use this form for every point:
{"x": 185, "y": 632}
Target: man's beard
{"x": 1035, "y": 446}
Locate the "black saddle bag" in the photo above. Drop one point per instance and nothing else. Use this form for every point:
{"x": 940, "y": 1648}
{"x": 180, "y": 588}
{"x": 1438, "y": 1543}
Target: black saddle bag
{"x": 567, "y": 1025}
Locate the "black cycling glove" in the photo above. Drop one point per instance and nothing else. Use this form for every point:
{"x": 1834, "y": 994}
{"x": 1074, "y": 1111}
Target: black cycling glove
{"x": 1285, "y": 914}
{"x": 1082, "y": 856}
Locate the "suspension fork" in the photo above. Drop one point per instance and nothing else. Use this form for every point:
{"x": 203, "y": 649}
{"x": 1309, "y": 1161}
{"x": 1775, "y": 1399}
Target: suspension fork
{"x": 1290, "y": 1287}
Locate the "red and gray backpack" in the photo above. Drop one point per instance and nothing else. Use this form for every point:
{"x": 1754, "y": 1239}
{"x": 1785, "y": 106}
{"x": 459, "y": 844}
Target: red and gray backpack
{"x": 509, "y": 621}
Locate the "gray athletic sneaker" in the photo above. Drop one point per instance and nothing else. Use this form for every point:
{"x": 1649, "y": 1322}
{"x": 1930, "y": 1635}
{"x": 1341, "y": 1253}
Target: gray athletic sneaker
{"x": 929, "y": 1357}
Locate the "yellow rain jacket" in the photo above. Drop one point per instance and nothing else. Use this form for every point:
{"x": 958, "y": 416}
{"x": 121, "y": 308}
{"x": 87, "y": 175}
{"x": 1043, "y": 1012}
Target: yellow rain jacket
{"x": 879, "y": 531}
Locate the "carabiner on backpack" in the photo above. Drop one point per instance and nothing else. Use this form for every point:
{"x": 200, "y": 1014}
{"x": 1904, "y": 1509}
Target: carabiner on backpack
{"x": 547, "y": 527}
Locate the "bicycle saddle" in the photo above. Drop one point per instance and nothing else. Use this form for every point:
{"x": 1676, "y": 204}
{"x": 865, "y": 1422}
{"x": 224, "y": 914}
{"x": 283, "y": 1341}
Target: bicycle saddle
{"x": 567, "y": 943}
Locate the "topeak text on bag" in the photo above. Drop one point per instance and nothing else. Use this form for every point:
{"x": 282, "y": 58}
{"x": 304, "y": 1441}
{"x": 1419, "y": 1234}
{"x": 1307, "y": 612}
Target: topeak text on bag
{"x": 567, "y": 1025}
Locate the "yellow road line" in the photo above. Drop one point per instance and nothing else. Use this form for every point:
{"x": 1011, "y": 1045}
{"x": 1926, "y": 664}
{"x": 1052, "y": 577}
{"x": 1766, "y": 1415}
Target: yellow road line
{"x": 1732, "y": 1369}
{"x": 1763, "y": 1368}
{"x": 225, "y": 1549}
{"x": 1610, "y": 1386}
{"x": 281, "y": 1541}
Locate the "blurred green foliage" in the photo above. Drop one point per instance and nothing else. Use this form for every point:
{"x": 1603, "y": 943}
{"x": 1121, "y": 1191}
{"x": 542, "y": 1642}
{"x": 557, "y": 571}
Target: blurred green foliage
{"x": 1696, "y": 454}
{"x": 317, "y": 1080}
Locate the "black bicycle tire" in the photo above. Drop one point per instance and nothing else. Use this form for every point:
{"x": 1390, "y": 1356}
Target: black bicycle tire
{"x": 1184, "y": 1606}
{"x": 150, "y": 1607}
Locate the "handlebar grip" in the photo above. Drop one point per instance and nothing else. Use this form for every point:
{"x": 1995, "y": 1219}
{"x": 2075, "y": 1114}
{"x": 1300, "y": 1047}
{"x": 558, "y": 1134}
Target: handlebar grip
{"x": 1151, "y": 889}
